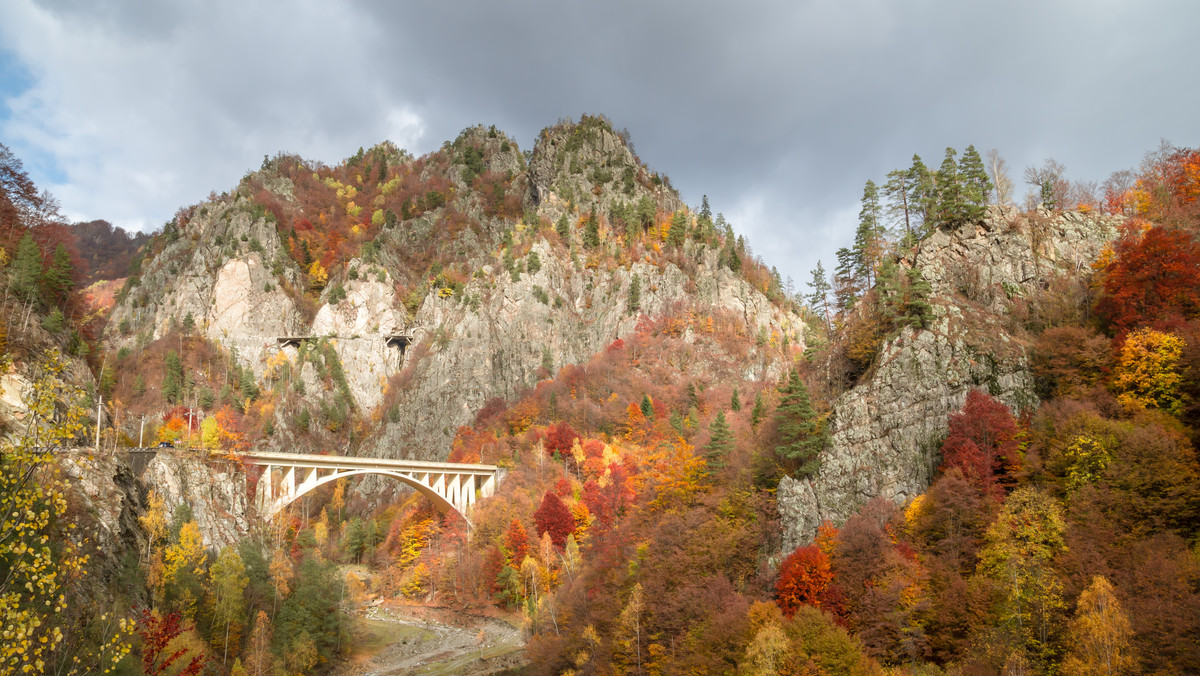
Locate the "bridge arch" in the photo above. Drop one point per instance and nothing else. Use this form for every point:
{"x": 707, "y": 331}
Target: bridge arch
{"x": 443, "y": 504}
{"x": 448, "y": 485}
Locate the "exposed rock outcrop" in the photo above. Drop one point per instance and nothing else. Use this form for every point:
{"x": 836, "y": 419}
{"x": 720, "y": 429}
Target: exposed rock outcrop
{"x": 886, "y": 431}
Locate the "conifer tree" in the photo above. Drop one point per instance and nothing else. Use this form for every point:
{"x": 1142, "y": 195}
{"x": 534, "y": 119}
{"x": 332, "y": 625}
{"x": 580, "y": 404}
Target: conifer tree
{"x": 801, "y": 435}
{"x": 756, "y": 413}
{"x": 59, "y": 279}
{"x": 922, "y": 196}
{"x": 678, "y": 232}
{"x": 868, "y": 237}
{"x": 172, "y": 383}
{"x": 976, "y": 186}
{"x": 818, "y": 300}
{"x": 735, "y": 401}
{"x": 949, "y": 209}
{"x": 845, "y": 281}
{"x": 563, "y": 227}
{"x": 591, "y": 232}
{"x": 26, "y": 270}
{"x": 635, "y": 294}
{"x": 719, "y": 445}
{"x": 898, "y": 192}
{"x": 647, "y": 407}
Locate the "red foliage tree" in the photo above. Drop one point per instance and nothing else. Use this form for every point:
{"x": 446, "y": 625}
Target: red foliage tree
{"x": 1153, "y": 275}
{"x": 156, "y": 633}
{"x": 804, "y": 577}
{"x": 516, "y": 541}
{"x": 560, "y": 438}
{"x": 983, "y": 443}
{"x": 492, "y": 566}
{"x": 553, "y": 517}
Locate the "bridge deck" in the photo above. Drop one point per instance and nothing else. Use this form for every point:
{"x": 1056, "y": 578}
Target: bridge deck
{"x": 346, "y": 462}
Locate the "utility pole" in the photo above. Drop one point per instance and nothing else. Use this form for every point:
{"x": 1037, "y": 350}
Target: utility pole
{"x": 142, "y": 432}
{"x": 99, "y": 410}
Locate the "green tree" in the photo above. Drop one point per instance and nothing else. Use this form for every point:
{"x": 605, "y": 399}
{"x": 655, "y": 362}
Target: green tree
{"x": 898, "y": 193}
{"x": 720, "y": 443}
{"x": 801, "y": 434}
{"x": 868, "y": 238}
{"x": 922, "y": 196}
{"x": 60, "y": 276}
{"x": 759, "y": 410}
{"x": 949, "y": 210}
{"x": 635, "y": 294}
{"x": 591, "y": 231}
{"x": 54, "y": 322}
{"x": 172, "y": 383}
{"x": 845, "y": 280}
{"x": 818, "y": 299}
{"x": 976, "y": 186}
{"x": 563, "y": 228}
{"x": 312, "y": 610}
{"x": 26, "y": 270}
{"x": 735, "y": 401}
{"x": 678, "y": 232}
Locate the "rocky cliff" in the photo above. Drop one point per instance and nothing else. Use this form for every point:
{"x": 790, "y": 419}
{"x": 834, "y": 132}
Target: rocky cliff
{"x": 886, "y": 431}
{"x": 467, "y": 291}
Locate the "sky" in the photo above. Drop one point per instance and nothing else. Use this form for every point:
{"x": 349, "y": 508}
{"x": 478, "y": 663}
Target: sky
{"x": 778, "y": 111}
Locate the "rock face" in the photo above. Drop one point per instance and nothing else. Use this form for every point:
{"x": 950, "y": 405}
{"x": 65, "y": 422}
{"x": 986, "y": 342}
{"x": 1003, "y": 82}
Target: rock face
{"x": 215, "y": 490}
{"x": 495, "y": 344}
{"x": 886, "y": 431}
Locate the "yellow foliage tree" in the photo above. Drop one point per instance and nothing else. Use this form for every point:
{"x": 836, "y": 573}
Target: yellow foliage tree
{"x": 38, "y": 557}
{"x": 1099, "y": 634}
{"x": 1147, "y": 372}
{"x": 317, "y": 276}
{"x": 188, "y": 555}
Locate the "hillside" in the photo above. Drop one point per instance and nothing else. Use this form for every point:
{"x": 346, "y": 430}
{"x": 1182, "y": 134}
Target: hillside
{"x": 493, "y": 276}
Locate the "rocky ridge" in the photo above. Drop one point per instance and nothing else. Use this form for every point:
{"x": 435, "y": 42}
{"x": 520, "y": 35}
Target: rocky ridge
{"x": 886, "y": 431}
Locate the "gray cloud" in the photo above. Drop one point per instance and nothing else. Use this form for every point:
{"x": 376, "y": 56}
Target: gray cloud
{"x": 778, "y": 111}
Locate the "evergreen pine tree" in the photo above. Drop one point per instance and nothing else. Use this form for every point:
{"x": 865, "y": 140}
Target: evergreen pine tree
{"x": 801, "y": 435}
{"x": 678, "y": 231}
{"x": 756, "y": 413}
{"x": 27, "y": 270}
{"x": 922, "y": 196}
{"x": 172, "y": 383}
{"x": 719, "y": 445}
{"x": 647, "y": 407}
{"x": 868, "y": 236}
{"x": 917, "y": 310}
{"x": 949, "y": 209}
{"x": 845, "y": 281}
{"x": 563, "y": 227}
{"x": 635, "y": 294}
{"x": 818, "y": 300}
{"x": 976, "y": 186}
{"x": 735, "y": 401}
{"x": 705, "y": 211}
{"x": 591, "y": 232}
{"x": 59, "y": 279}
{"x": 898, "y": 191}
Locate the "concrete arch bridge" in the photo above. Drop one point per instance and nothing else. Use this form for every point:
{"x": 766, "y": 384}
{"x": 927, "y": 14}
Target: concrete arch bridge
{"x": 448, "y": 485}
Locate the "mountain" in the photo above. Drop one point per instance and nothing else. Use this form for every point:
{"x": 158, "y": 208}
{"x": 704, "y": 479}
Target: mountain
{"x": 419, "y": 289}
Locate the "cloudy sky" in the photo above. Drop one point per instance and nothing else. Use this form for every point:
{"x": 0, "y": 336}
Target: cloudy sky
{"x": 779, "y": 111}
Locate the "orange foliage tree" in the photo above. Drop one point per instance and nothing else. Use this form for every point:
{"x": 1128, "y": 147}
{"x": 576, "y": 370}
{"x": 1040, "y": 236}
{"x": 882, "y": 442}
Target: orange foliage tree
{"x": 804, "y": 577}
{"x": 1153, "y": 274}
